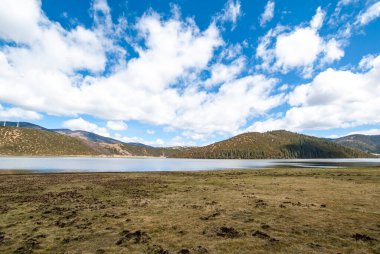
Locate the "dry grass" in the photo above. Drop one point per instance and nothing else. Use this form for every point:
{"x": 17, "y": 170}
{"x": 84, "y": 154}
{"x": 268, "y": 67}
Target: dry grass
{"x": 250, "y": 211}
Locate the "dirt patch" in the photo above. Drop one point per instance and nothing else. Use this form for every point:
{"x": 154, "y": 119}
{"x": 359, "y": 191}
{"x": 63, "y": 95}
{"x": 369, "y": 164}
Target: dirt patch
{"x": 200, "y": 250}
{"x": 362, "y": 237}
{"x": 69, "y": 239}
{"x": 2, "y": 237}
{"x": 4, "y": 209}
{"x": 210, "y": 216}
{"x": 264, "y": 236}
{"x": 183, "y": 251}
{"x": 157, "y": 249}
{"x": 314, "y": 245}
{"x": 28, "y": 246}
{"x": 227, "y": 232}
{"x": 137, "y": 237}
{"x": 261, "y": 203}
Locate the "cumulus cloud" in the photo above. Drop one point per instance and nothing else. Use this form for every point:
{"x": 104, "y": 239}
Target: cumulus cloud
{"x": 221, "y": 72}
{"x": 117, "y": 125}
{"x": 370, "y": 14}
{"x": 81, "y": 124}
{"x": 160, "y": 85}
{"x": 300, "y": 48}
{"x": 18, "y": 113}
{"x": 231, "y": 12}
{"x": 333, "y": 98}
{"x": 268, "y": 13}
{"x": 127, "y": 139}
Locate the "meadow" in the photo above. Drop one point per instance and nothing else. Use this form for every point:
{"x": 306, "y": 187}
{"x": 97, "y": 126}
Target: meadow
{"x": 232, "y": 211}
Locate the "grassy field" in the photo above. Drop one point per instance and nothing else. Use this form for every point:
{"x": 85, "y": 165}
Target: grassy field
{"x": 250, "y": 211}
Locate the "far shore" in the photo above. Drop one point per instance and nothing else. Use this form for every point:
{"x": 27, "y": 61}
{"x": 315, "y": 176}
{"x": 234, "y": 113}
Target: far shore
{"x": 80, "y": 156}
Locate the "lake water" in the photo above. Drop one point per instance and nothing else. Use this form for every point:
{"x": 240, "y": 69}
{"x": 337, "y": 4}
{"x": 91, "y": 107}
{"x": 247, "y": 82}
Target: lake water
{"x": 90, "y": 164}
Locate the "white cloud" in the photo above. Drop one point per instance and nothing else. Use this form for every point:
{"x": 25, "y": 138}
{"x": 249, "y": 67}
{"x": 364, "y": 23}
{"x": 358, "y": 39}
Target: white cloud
{"x": 18, "y": 114}
{"x": 117, "y": 125}
{"x": 159, "y": 86}
{"x": 366, "y": 132}
{"x": 268, "y": 13}
{"x": 81, "y": 124}
{"x": 300, "y": 48}
{"x": 297, "y": 49}
{"x": 333, "y": 98}
{"x": 366, "y": 62}
{"x": 230, "y": 108}
{"x": 127, "y": 139}
{"x": 19, "y": 20}
{"x": 317, "y": 21}
{"x": 159, "y": 142}
{"x": 231, "y": 12}
{"x": 150, "y": 132}
{"x": 333, "y": 51}
{"x": 370, "y": 14}
{"x": 346, "y": 2}
{"x": 178, "y": 141}
{"x": 221, "y": 73}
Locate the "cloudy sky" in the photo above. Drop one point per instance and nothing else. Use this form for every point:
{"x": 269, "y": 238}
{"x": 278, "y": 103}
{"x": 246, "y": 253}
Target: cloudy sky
{"x": 190, "y": 72}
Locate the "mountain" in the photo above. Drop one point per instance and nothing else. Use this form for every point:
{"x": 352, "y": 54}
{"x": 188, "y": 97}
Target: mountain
{"x": 29, "y": 141}
{"x": 77, "y": 133}
{"x": 367, "y": 143}
{"x": 37, "y": 141}
{"x": 272, "y": 145}
{"x": 87, "y": 136}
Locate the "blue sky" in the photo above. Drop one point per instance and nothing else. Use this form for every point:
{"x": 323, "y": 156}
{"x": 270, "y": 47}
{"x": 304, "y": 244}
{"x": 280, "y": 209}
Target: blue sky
{"x": 171, "y": 73}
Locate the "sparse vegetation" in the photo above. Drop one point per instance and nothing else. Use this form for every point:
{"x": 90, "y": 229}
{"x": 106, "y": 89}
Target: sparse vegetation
{"x": 36, "y": 142}
{"x": 25, "y": 141}
{"x": 242, "y": 211}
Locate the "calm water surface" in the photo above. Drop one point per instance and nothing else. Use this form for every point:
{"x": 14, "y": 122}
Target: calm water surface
{"x": 89, "y": 164}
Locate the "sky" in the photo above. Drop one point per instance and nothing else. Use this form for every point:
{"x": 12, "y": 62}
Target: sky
{"x": 190, "y": 72}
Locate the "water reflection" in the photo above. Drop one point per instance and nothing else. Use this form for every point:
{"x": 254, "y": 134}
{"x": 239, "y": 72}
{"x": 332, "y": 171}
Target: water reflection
{"x": 89, "y": 164}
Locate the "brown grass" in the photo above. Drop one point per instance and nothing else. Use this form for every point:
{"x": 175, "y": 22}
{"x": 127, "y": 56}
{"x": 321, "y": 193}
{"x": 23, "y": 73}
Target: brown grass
{"x": 250, "y": 211}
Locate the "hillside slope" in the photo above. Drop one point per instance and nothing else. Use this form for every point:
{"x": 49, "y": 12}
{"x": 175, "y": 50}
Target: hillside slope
{"x": 272, "y": 145}
{"x": 87, "y": 136}
{"x": 365, "y": 143}
{"x": 37, "y": 142}
{"x": 25, "y": 141}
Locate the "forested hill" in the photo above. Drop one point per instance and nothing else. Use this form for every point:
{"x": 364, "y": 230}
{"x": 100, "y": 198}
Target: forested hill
{"x": 365, "y": 143}
{"x": 272, "y": 145}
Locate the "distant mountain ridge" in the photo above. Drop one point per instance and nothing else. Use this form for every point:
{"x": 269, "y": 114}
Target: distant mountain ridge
{"x": 31, "y": 140}
{"x": 94, "y": 137}
{"x": 367, "y": 143}
{"x": 73, "y": 133}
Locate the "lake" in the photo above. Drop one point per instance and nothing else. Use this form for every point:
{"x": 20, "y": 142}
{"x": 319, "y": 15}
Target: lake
{"x": 91, "y": 164}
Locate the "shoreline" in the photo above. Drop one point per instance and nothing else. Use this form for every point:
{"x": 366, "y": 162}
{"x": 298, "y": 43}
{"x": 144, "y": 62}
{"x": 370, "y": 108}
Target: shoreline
{"x": 377, "y": 156}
